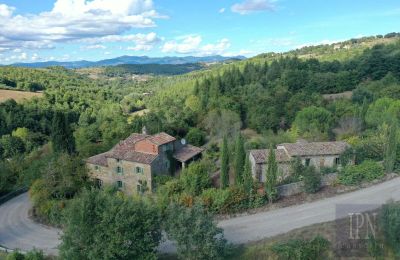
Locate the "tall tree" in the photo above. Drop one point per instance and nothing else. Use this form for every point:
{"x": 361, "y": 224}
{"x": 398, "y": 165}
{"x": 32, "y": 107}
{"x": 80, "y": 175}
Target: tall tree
{"x": 61, "y": 134}
{"x": 391, "y": 147}
{"x": 271, "y": 176}
{"x": 240, "y": 156}
{"x": 195, "y": 232}
{"x": 247, "y": 177}
{"x": 101, "y": 225}
{"x": 224, "y": 164}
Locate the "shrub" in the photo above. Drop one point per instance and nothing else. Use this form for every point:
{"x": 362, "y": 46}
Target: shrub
{"x": 196, "y": 137}
{"x": 215, "y": 199}
{"x": 390, "y": 223}
{"x": 356, "y": 174}
{"x": 296, "y": 249}
{"x": 312, "y": 180}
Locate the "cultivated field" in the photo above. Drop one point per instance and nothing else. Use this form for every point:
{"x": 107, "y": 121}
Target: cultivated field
{"x": 17, "y": 95}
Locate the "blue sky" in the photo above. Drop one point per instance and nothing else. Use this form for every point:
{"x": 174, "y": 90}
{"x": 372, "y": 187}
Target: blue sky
{"x": 98, "y": 29}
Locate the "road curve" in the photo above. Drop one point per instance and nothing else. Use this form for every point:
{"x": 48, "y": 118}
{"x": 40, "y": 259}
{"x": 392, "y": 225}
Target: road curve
{"x": 18, "y": 231}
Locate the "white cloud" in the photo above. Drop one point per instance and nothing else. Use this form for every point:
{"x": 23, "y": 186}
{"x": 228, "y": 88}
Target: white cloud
{"x": 222, "y": 10}
{"x": 250, "y": 6}
{"x": 107, "y": 53}
{"x": 94, "y": 47}
{"x": 191, "y": 44}
{"x": 71, "y": 20}
{"x": 6, "y": 11}
{"x": 35, "y": 57}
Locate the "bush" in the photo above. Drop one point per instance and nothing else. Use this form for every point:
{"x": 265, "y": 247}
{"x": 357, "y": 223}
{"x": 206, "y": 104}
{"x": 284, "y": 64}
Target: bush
{"x": 215, "y": 199}
{"x": 312, "y": 180}
{"x": 196, "y": 137}
{"x": 390, "y": 223}
{"x": 31, "y": 255}
{"x": 296, "y": 249}
{"x": 356, "y": 174}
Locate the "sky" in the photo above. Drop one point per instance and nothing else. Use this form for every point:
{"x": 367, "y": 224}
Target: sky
{"x": 66, "y": 30}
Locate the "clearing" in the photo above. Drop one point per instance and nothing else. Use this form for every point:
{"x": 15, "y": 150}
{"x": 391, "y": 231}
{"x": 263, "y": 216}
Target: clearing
{"x": 18, "y": 96}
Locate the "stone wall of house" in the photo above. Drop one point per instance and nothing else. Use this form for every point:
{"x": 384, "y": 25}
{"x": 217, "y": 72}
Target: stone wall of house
{"x": 297, "y": 187}
{"x": 283, "y": 170}
{"x": 129, "y": 177}
{"x": 321, "y": 161}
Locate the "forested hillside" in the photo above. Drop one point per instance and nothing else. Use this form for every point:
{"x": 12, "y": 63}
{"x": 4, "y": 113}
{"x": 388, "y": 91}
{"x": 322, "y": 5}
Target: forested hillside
{"x": 268, "y": 100}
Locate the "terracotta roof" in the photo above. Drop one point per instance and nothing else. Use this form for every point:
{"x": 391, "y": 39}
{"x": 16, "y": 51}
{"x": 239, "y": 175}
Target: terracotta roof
{"x": 161, "y": 138}
{"x": 261, "y": 156}
{"x": 187, "y": 152}
{"x": 99, "y": 159}
{"x": 315, "y": 148}
{"x": 133, "y": 156}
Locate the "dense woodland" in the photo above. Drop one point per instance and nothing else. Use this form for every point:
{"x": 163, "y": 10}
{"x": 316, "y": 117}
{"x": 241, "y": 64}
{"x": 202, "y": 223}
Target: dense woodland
{"x": 229, "y": 109}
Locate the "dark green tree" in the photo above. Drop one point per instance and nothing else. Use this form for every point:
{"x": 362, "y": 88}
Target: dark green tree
{"x": 247, "y": 177}
{"x": 101, "y": 225}
{"x": 224, "y": 164}
{"x": 240, "y": 156}
{"x": 195, "y": 232}
{"x": 391, "y": 148}
{"x": 61, "y": 134}
{"x": 271, "y": 177}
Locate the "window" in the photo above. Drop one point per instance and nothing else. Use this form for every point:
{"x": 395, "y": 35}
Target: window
{"x": 120, "y": 170}
{"x": 118, "y": 160}
{"x": 139, "y": 170}
{"x": 337, "y": 161}
{"x": 120, "y": 184}
{"x": 96, "y": 167}
{"x": 308, "y": 160}
{"x": 98, "y": 183}
{"x": 139, "y": 189}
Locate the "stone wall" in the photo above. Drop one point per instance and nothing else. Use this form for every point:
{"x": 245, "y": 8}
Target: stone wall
{"x": 297, "y": 187}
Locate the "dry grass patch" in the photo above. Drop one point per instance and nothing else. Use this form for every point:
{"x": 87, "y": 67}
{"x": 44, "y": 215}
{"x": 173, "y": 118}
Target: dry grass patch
{"x": 18, "y": 96}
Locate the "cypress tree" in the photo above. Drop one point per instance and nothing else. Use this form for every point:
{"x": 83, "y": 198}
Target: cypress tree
{"x": 391, "y": 147}
{"x": 224, "y": 164}
{"x": 61, "y": 134}
{"x": 247, "y": 177}
{"x": 271, "y": 176}
{"x": 240, "y": 156}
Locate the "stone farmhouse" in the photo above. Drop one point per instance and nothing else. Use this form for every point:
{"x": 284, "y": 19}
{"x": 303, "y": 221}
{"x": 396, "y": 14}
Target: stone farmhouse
{"x": 132, "y": 164}
{"x": 317, "y": 154}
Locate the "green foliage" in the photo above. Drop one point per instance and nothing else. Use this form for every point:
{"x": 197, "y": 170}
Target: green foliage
{"x": 271, "y": 177}
{"x": 100, "y": 225}
{"x": 156, "y": 69}
{"x": 247, "y": 177}
{"x": 30, "y": 255}
{"x": 195, "y": 178}
{"x": 62, "y": 177}
{"x": 196, "y": 137}
{"x": 224, "y": 157}
{"x": 296, "y": 249}
{"x": 61, "y": 134}
{"x": 390, "y": 225}
{"x": 391, "y": 148}
{"x": 11, "y": 146}
{"x": 312, "y": 180}
{"x": 313, "y": 122}
{"x": 356, "y": 174}
{"x": 195, "y": 232}
{"x": 383, "y": 110}
{"x": 239, "y": 161}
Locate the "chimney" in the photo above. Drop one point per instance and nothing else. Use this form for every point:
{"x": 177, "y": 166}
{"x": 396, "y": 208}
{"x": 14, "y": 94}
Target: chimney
{"x": 144, "y": 130}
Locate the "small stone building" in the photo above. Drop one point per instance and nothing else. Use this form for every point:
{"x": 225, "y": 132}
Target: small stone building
{"x": 317, "y": 154}
{"x": 132, "y": 164}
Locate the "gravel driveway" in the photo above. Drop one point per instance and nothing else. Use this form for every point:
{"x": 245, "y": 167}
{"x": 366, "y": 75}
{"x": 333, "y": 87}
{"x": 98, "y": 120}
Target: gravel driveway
{"x": 19, "y": 231}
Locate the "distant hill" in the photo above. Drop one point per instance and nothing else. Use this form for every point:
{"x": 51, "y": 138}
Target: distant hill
{"x": 156, "y": 69}
{"x": 130, "y": 60}
{"x": 335, "y": 51}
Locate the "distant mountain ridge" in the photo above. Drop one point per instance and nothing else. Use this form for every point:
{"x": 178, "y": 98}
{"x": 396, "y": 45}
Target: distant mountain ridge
{"x": 130, "y": 60}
